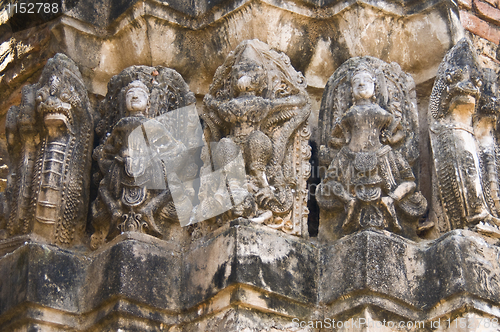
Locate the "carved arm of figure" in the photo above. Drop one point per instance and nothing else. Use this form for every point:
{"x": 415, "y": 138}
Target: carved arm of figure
{"x": 394, "y": 132}
{"x": 154, "y": 205}
{"x": 279, "y": 104}
{"x": 221, "y": 108}
{"x": 114, "y": 206}
{"x": 254, "y": 107}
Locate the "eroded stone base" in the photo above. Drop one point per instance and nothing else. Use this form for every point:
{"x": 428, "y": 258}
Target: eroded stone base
{"x": 246, "y": 277}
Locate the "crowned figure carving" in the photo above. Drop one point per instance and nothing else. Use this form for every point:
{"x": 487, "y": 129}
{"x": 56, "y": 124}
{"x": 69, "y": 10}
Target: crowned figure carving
{"x": 49, "y": 139}
{"x": 369, "y": 143}
{"x": 462, "y": 116}
{"x": 148, "y": 132}
{"x": 256, "y": 115}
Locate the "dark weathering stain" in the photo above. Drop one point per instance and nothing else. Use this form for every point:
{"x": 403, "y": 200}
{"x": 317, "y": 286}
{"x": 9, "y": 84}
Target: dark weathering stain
{"x": 219, "y": 279}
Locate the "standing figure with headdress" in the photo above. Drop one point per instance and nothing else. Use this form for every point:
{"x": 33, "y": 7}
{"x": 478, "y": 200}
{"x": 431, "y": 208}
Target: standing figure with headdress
{"x": 368, "y": 183}
{"x": 256, "y": 107}
{"x": 139, "y": 159}
{"x": 367, "y": 176}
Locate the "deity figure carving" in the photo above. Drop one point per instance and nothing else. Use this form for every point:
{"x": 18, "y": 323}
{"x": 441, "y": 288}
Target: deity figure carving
{"x": 368, "y": 122}
{"x": 49, "y": 140}
{"x": 462, "y": 119}
{"x": 256, "y": 115}
{"x": 144, "y": 157}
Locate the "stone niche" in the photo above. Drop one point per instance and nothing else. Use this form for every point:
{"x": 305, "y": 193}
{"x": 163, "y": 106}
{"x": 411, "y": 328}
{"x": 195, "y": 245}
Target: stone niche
{"x": 247, "y": 166}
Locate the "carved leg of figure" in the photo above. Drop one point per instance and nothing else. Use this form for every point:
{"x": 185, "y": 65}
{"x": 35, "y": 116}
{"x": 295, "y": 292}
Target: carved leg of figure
{"x": 388, "y": 203}
{"x": 350, "y": 209}
{"x": 258, "y": 152}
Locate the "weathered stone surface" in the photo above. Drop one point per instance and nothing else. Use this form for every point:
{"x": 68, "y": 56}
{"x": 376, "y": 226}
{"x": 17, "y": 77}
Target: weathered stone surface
{"x": 149, "y": 134}
{"x": 267, "y": 260}
{"x": 256, "y": 131}
{"x": 23, "y": 54}
{"x": 50, "y": 137}
{"x": 248, "y": 279}
{"x": 164, "y": 33}
{"x": 414, "y": 279}
{"x": 369, "y": 140}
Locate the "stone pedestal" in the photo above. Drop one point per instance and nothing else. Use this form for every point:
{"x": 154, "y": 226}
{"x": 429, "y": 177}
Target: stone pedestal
{"x": 248, "y": 278}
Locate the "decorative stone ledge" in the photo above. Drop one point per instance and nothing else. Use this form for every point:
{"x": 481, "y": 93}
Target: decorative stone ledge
{"x": 317, "y": 36}
{"x": 246, "y": 270}
{"x": 317, "y": 39}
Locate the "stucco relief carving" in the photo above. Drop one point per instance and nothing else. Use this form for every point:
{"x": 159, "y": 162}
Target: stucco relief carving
{"x": 255, "y": 114}
{"x": 145, "y": 155}
{"x": 462, "y": 115}
{"x": 369, "y": 143}
{"x": 50, "y": 139}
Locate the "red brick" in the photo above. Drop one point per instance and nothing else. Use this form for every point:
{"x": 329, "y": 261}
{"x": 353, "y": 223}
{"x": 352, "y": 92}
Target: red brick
{"x": 479, "y": 27}
{"x": 487, "y": 12}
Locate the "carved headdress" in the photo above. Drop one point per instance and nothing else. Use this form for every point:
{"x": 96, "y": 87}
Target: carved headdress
{"x": 166, "y": 88}
{"x": 459, "y": 62}
{"x": 282, "y": 78}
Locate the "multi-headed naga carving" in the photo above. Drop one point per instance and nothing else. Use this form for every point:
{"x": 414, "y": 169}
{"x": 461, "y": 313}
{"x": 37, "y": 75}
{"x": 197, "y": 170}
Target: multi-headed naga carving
{"x": 256, "y": 112}
{"x": 369, "y": 142}
{"x": 462, "y": 117}
{"x": 145, "y": 156}
{"x": 50, "y": 141}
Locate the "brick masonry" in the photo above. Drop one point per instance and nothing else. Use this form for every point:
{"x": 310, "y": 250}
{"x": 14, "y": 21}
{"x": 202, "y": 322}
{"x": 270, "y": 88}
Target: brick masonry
{"x": 482, "y": 20}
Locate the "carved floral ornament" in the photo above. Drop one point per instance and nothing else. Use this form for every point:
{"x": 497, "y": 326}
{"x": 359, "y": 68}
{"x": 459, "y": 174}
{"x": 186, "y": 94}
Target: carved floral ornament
{"x": 156, "y": 169}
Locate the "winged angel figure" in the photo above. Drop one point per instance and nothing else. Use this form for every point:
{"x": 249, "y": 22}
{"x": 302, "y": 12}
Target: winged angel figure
{"x": 255, "y": 115}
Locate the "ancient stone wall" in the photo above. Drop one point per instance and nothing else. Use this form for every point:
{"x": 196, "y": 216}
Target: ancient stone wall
{"x": 249, "y": 166}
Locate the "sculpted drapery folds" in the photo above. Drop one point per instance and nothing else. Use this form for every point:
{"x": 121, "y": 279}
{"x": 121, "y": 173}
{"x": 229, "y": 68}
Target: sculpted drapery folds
{"x": 144, "y": 159}
{"x": 462, "y": 117}
{"x": 256, "y": 112}
{"x": 369, "y": 142}
{"x": 50, "y": 139}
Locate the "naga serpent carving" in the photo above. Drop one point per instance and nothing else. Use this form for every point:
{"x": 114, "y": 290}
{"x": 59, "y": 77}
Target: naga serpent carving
{"x": 50, "y": 142}
{"x": 458, "y": 132}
